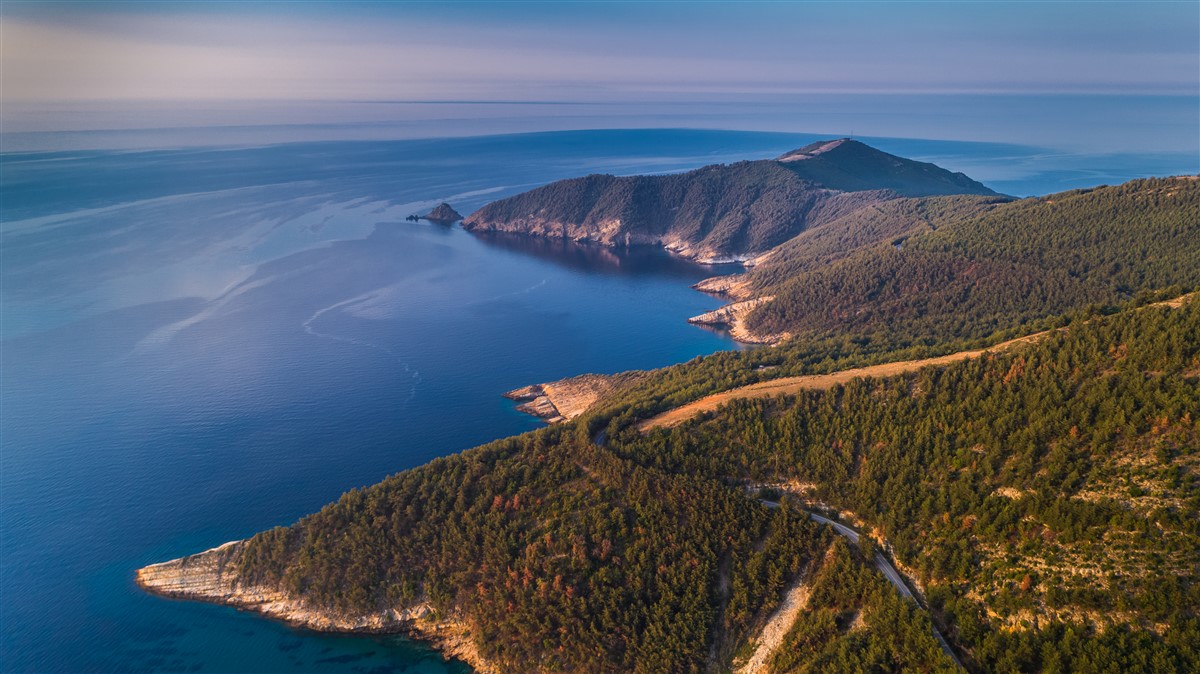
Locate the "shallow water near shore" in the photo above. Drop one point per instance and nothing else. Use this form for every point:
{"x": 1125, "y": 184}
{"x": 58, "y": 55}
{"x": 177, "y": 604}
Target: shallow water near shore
{"x": 202, "y": 343}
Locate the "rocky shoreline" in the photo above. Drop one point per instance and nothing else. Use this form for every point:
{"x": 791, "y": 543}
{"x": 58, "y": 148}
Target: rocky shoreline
{"x": 733, "y": 318}
{"x": 565, "y": 399}
{"x": 211, "y": 576}
{"x": 732, "y": 286}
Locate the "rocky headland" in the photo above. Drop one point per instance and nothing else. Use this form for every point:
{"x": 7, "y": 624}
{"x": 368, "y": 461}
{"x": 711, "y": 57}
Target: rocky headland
{"x": 733, "y": 318}
{"x": 565, "y": 399}
{"x": 733, "y": 286}
{"x": 212, "y": 576}
{"x": 724, "y": 212}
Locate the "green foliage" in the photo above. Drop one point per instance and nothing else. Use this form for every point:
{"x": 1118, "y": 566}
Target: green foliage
{"x": 1004, "y": 483}
{"x": 1011, "y": 264}
{"x": 855, "y": 622}
{"x": 556, "y": 551}
{"x": 853, "y": 166}
{"x": 1046, "y": 498}
{"x": 748, "y": 206}
{"x": 889, "y": 222}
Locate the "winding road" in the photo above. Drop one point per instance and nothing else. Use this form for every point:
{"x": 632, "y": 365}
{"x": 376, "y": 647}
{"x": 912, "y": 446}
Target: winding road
{"x": 791, "y": 385}
{"x": 885, "y": 567}
{"x": 853, "y": 536}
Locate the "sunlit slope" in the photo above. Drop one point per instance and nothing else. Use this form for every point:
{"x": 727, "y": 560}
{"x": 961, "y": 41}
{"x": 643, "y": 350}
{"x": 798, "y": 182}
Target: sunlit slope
{"x": 1010, "y": 264}
{"x": 721, "y": 210}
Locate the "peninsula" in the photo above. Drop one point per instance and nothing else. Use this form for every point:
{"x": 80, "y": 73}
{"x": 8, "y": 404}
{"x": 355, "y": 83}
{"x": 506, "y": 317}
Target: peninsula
{"x": 996, "y": 391}
{"x": 722, "y": 212}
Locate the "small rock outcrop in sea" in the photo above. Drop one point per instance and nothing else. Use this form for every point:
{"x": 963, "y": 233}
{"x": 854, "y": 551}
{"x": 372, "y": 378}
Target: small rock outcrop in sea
{"x": 443, "y": 213}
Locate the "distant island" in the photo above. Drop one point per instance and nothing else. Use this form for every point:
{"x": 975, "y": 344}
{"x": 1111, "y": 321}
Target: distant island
{"x": 973, "y": 445}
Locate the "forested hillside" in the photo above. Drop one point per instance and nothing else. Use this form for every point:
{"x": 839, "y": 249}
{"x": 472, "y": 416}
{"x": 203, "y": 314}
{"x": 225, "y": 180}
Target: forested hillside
{"x": 1046, "y": 499}
{"x": 960, "y": 267}
{"x": 562, "y": 556}
{"x": 851, "y": 166}
{"x": 721, "y": 210}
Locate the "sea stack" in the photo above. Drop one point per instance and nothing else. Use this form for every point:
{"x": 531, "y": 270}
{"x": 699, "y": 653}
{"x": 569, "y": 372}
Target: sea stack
{"x": 444, "y": 213}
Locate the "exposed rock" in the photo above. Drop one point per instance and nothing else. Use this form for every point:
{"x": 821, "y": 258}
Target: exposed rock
{"x": 212, "y": 576}
{"x": 813, "y": 150}
{"x": 733, "y": 317}
{"x": 442, "y": 213}
{"x": 568, "y": 398}
{"x": 733, "y": 286}
{"x": 795, "y": 601}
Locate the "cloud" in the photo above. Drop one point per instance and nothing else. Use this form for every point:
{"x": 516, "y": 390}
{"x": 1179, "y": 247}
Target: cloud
{"x": 595, "y": 52}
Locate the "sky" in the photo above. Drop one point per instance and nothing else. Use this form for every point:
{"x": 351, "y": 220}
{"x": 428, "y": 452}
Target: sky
{"x": 85, "y": 58}
{"x": 580, "y": 51}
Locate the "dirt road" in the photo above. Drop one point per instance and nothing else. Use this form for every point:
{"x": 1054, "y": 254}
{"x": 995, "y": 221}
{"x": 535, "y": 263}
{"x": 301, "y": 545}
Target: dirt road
{"x": 789, "y": 385}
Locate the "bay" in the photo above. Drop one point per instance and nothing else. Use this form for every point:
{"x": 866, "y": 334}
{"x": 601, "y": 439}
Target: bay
{"x": 204, "y": 341}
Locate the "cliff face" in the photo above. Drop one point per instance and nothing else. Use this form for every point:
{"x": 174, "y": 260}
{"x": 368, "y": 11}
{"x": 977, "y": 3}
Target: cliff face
{"x": 720, "y": 212}
{"x": 212, "y": 576}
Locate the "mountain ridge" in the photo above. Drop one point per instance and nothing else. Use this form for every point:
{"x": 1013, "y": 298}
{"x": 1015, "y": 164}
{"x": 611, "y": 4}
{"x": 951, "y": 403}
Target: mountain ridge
{"x": 721, "y": 212}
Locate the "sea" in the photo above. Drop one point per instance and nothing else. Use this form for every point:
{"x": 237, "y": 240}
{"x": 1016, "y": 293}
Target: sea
{"x": 205, "y": 334}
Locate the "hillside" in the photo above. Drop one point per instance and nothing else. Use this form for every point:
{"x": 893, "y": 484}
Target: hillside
{"x": 1041, "y": 498}
{"x": 1044, "y": 500}
{"x": 851, "y": 166}
{"x": 721, "y": 211}
{"x": 965, "y": 267}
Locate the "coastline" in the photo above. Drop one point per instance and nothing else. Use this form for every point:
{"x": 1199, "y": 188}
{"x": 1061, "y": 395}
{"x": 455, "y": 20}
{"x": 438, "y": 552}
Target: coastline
{"x": 560, "y": 401}
{"x": 730, "y": 286}
{"x": 733, "y": 317}
{"x": 207, "y": 576}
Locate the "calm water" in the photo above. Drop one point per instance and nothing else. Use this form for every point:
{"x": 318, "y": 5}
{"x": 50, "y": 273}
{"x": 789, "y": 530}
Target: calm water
{"x": 202, "y": 343}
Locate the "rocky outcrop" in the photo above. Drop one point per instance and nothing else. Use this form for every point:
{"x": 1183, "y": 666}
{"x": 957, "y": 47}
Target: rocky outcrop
{"x": 733, "y": 286}
{"x": 535, "y": 402}
{"x": 212, "y": 576}
{"x": 733, "y": 318}
{"x": 768, "y": 641}
{"x": 568, "y": 398}
{"x": 443, "y": 213}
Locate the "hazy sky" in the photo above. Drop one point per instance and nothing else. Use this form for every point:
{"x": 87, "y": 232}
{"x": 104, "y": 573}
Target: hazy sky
{"x": 624, "y": 51}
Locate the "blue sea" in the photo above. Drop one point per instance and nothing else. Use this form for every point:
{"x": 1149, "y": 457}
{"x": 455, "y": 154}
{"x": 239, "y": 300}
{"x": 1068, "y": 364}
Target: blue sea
{"x": 204, "y": 339}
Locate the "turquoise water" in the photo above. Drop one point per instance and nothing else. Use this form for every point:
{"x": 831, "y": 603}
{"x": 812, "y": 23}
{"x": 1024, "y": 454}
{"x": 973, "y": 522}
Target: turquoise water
{"x": 203, "y": 342}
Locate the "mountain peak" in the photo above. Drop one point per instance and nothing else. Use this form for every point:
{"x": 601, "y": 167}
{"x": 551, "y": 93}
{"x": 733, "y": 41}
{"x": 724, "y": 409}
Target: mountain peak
{"x": 818, "y": 148}
{"x": 849, "y": 165}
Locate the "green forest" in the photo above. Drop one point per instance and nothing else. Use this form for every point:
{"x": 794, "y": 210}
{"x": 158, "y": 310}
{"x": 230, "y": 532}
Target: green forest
{"x": 723, "y": 209}
{"x": 1043, "y": 501}
{"x": 963, "y": 267}
{"x": 1046, "y": 500}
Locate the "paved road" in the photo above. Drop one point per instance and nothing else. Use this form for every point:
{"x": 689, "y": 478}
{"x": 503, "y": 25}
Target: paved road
{"x": 884, "y": 566}
{"x": 881, "y": 562}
